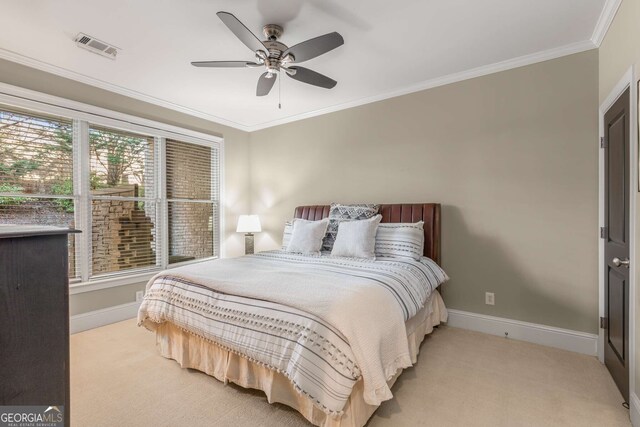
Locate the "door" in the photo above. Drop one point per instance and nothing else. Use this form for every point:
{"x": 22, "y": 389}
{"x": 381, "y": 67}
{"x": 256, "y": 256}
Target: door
{"x": 616, "y": 247}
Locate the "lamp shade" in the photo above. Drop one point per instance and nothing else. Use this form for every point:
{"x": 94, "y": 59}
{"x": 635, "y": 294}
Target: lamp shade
{"x": 249, "y": 224}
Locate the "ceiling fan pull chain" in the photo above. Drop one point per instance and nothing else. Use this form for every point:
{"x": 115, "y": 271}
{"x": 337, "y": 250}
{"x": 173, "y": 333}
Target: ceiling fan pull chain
{"x": 279, "y": 93}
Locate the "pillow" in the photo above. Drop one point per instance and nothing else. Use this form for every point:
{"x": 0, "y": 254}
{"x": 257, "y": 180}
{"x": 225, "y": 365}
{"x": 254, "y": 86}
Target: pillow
{"x": 306, "y": 237}
{"x": 357, "y": 239}
{"x": 286, "y": 235}
{"x": 400, "y": 240}
{"x": 339, "y": 213}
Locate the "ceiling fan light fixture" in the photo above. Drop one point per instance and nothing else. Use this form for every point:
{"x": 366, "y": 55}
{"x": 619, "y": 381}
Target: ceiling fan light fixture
{"x": 288, "y": 58}
{"x": 275, "y": 55}
{"x": 261, "y": 55}
{"x": 272, "y": 65}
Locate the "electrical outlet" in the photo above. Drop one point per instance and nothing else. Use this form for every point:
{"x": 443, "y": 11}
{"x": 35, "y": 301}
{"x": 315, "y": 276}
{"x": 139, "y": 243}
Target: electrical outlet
{"x": 139, "y": 296}
{"x": 489, "y": 298}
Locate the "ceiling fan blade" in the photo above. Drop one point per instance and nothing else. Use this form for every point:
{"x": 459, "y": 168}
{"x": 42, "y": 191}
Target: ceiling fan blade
{"x": 224, "y": 64}
{"x": 242, "y": 32}
{"x": 265, "y": 84}
{"x": 314, "y": 47}
{"x": 311, "y": 77}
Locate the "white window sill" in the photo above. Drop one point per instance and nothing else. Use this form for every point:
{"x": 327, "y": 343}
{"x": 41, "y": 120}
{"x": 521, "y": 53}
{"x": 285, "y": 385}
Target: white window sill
{"x": 113, "y": 281}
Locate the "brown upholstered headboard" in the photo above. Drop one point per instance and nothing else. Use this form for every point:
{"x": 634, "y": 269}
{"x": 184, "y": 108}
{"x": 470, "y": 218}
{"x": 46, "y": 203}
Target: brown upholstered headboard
{"x": 427, "y": 212}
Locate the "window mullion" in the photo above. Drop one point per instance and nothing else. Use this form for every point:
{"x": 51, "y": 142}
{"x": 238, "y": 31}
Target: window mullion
{"x": 163, "y": 208}
{"x": 81, "y": 149}
{"x": 216, "y": 189}
{"x": 78, "y": 211}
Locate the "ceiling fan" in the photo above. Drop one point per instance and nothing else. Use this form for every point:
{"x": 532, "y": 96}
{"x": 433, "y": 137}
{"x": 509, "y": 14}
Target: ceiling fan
{"x": 275, "y": 55}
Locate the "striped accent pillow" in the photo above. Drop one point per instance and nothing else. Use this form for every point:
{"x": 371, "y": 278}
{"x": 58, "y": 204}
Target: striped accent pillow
{"x": 400, "y": 240}
{"x": 286, "y": 235}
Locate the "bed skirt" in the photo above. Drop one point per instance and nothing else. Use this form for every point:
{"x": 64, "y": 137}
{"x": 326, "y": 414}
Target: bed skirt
{"x": 195, "y": 352}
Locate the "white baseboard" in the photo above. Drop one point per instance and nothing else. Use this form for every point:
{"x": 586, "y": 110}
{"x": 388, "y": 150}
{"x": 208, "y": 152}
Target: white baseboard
{"x": 105, "y": 316}
{"x": 580, "y": 342}
{"x": 565, "y": 339}
{"x": 634, "y": 409}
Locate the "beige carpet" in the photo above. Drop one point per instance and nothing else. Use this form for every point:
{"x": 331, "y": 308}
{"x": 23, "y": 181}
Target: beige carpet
{"x": 462, "y": 378}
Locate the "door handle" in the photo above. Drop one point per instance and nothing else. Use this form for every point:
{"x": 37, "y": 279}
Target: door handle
{"x": 620, "y": 262}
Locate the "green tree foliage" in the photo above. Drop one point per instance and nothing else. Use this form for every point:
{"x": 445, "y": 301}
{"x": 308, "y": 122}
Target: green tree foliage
{"x": 62, "y": 188}
{"x": 118, "y": 154}
{"x": 12, "y": 200}
{"x": 34, "y": 152}
{"x": 36, "y": 157}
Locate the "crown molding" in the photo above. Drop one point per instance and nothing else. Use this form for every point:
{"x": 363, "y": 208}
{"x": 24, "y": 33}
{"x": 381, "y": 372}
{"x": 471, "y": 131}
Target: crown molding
{"x": 604, "y": 21}
{"x": 509, "y": 64}
{"x": 46, "y": 103}
{"x": 101, "y": 84}
{"x": 517, "y": 62}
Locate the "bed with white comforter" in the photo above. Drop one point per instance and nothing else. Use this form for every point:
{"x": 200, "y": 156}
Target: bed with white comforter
{"x": 323, "y": 322}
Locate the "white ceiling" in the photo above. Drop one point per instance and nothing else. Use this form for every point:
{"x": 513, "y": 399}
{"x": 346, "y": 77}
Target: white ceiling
{"x": 391, "y": 47}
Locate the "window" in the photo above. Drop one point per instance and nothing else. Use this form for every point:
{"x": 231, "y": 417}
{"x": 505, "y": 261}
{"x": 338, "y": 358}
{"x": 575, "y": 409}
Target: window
{"x": 144, "y": 197}
{"x": 192, "y": 201}
{"x": 36, "y": 172}
{"x": 123, "y": 204}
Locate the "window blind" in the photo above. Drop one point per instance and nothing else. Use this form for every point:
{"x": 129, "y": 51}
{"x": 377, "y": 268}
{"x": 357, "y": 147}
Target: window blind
{"x": 107, "y": 182}
{"x": 121, "y": 163}
{"x": 36, "y": 154}
{"x": 123, "y": 206}
{"x": 36, "y": 172}
{"x": 192, "y": 201}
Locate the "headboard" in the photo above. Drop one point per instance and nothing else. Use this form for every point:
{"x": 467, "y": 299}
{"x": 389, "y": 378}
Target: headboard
{"x": 414, "y": 212}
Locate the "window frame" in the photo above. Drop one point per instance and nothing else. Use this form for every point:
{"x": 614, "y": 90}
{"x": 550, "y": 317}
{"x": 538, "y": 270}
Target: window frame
{"x": 215, "y": 190}
{"x": 83, "y": 115}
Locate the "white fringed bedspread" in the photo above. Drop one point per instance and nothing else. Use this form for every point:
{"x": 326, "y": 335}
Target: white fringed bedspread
{"x": 321, "y": 321}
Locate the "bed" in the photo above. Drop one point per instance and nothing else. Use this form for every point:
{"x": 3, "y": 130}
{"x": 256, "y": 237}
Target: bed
{"x": 326, "y": 336}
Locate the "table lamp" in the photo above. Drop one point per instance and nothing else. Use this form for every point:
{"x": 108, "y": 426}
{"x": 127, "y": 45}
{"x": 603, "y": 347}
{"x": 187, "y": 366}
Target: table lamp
{"x": 248, "y": 224}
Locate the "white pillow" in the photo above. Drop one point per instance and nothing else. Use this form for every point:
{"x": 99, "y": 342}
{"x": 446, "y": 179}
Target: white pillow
{"x": 306, "y": 237}
{"x": 339, "y": 213}
{"x": 357, "y": 239}
{"x": 286, "y": 234}
{"x": 400, "y": 240}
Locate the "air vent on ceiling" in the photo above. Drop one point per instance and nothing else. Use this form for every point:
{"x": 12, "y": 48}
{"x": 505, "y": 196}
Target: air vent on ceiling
{"x": 96, "y": 46}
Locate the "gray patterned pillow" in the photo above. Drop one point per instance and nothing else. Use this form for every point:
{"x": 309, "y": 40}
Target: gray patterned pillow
{"x": 339, "y": 213}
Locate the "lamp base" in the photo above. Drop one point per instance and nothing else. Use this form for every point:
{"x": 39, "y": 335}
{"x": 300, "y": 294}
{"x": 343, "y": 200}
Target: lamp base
{"x": 248, "y": 244}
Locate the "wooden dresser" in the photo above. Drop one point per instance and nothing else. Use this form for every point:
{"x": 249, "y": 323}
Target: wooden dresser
{"x": 34, "y": 316}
